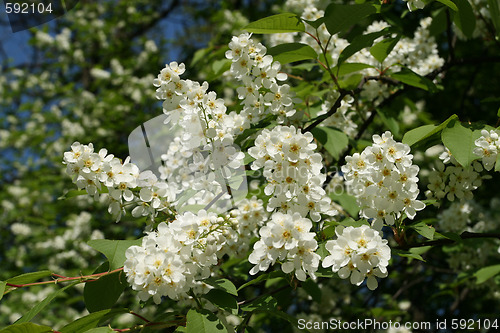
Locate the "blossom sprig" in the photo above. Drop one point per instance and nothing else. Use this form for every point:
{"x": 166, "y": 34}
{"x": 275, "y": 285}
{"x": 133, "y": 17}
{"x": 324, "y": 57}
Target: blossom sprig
{"x": 124, "y": 182}
{"x": 384, "y": 181}
{"x": 176, "y": 258}
{"x": 450, "y": 180}
{"x": 261, "y": 92}
{"x": 286, "y": 238}
{"x": 358, "y": 253}
{"x": 487, "y": 147}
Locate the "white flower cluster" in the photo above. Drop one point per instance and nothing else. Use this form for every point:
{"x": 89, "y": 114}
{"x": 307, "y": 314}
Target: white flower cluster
{"x": 173, "y": 260}
{"x": 292, "y": 170}
{"x": 287, "y": 238}
{"x": 202, "y": 156}
{"x": 261, "y": 93}
{"x": 384, "y": 180}
{"x": 487, "y": 147}
{"x": 92, "y": 171}
{"x": 248, "y": 217}
{"x": 358, "y": 253}
{"x": 453, "y": 180}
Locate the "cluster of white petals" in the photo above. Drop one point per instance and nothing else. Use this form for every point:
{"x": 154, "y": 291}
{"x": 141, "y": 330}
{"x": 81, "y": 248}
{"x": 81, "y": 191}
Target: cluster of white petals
{"x": 487, "y": 147}
{"x": 248, "y": 217}
{"x": 287, "y": 238}
{"x": 261, "y": 93}
{"x": 92, "y": 171}
{"x": 202, "y": 157}
{"x": 292, "y": 170}
{"x": 176, "y": 258}
{"x": 358, "y": 253}
{"x": 384, "y": 180}
{"x": 453, "y": 180}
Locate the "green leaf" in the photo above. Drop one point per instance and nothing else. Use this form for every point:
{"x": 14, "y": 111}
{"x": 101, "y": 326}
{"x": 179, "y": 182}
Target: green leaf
{"x": 423, "y": 229}
{"x": 465, "y": 18}
{"x": 497, "y": 163}
{"x": 390, "y": 122}
{"x": 409, "y": 77}
{"x": 423, "y": 132}
{"x": 39, "y": 307}
{"x": 348, "y": 202}
{"x": 350, "y": 222}
{"x": 26, "y": 328}
{"x": 333, "y": 140}
{"x": 262, "y": 303}
{"x": 493, "y": 6}
{"x": 351, "y": 82}
{"x": 114, "y": 250}
{"x": 486, "y": 273}
{"x": 2, "y": 288}
{"x": 359, "y": 43}
{"x": 222, "y": 299}
{"x": 101, "y": 330}
{"x": 90, "y": 321}
{"x": 348, "y": 67}
{"x": 449, "y": 3}
{"x": 203, "y": 321}
{"x": 407, "y": 254}
{"x": 29, "y": 277}
{"x": 263, "y": 277}
{"x": 382, "y": 49}
{"x": 286, "y": 22}
{"x": 341, "y": 17}
{"x": 460, "y": 141}
{"x": 449, "y": 235}
{"x": 103, "y": 293}
{"x": 291, "y": 52}
{"x": 312, "y": 289}
{"x": 220, "y": 66}
{"x": 222, "y": 284}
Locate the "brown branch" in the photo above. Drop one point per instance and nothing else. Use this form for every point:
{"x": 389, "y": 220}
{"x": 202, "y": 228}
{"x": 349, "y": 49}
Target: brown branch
{"x": 91, "y": 277}
{"x": 330, "y": 112}
{"x": 445, "y": 241}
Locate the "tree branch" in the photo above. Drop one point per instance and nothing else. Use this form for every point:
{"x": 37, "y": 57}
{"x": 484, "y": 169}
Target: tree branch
{"x": 445, "y": 241}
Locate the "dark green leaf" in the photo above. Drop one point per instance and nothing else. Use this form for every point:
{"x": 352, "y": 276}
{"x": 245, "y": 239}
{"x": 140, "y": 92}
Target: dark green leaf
{"x": 341, "y": 17}
{"x": 103, "y": 293}
{"x": 347, "y": 68}
{"x": 203, "y": 321}
{"x": 114, "y": 250}
{"x": 91, "y": 321}
{"x": 423, "y": 229}
{"x": 449, "y": 3}
{"x": 333, "y": 140}
{"x": 312, "y": 289}
{"x": 407, "y": 254}
{"x": 391, "y": 123}
{"x": 486, "y": 273}
{"x": 222, "y": 299}
{"x": 423, "y": 132}
{"x": 222, "y": 284}
{"x": 382, "y": 49}
{"x": 409, "y": 77}
{"x": 351, "y": 82}
{"x": 465, "y": 18}
{"x": 291, "y": 52}
{"x": 493, "y": 6}
{"x": 262, "y": 303}
{"x": 29, "y": 277}
{"x": 39, "y": 307}
{"x": 359, "y": 43}
{"x": 26, "y": 328}
{"x": 263, "y": 277}
{"x": 286, "y": 22}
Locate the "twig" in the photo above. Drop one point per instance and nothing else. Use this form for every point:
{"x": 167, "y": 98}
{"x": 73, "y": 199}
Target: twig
{"x": 445, "y": 241}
